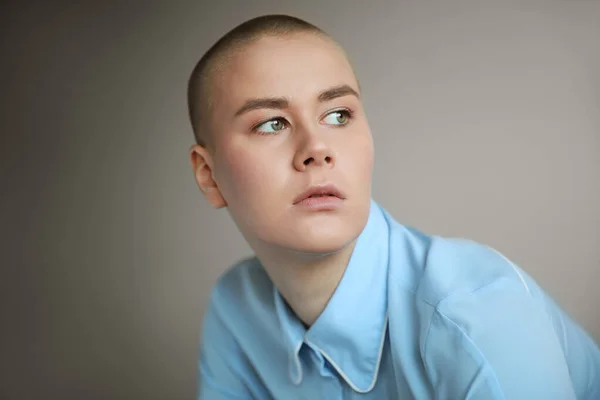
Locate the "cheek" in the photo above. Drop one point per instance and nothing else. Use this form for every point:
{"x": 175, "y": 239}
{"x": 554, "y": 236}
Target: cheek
{"x": 367, "y": 150}
{"x": 359, "y": 154}
{"x": 251, "y": 184}
{"x": 245, "y": 175}
{"x": 236, "y": 174}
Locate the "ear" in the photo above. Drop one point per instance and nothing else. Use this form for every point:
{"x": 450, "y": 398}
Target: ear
{"x": 202, "y": 165}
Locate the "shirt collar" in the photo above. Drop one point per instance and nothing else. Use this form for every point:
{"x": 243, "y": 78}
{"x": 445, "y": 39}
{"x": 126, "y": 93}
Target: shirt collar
{"x": 351, "y": 330}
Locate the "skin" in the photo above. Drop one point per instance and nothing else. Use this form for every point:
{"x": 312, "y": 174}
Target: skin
{"x": 262, "y": 158}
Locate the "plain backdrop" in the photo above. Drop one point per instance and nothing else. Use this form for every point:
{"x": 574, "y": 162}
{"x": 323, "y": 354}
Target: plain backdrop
{"x": 486, "y": 121}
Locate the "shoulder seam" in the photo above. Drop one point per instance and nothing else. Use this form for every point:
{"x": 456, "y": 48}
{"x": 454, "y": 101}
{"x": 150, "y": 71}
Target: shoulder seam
{"x": 514, "y": 267}
{"x": 482, "y": 286}
{"x": 475, "y": 290}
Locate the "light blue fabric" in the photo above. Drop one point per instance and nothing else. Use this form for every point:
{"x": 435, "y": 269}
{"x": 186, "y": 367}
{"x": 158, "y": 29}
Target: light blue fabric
{"x": 415, "y": 316}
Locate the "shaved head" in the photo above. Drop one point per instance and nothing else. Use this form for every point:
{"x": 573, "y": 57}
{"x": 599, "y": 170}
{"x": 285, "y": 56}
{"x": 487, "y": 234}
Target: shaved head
{"x": 202, "y": 77}
{"x": 276, "y": 107}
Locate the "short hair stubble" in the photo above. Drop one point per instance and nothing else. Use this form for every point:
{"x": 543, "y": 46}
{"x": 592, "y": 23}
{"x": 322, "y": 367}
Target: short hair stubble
{"x": 201, "y": 78}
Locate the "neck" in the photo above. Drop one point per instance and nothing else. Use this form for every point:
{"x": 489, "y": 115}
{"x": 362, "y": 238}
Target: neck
{"x": 306, "y": 281}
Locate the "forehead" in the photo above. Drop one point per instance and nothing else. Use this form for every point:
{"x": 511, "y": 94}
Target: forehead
{"x": 298, "y": 66}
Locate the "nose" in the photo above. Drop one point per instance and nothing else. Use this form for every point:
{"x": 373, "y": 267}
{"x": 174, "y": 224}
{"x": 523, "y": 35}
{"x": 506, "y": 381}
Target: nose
{"x": 314, "y": 152}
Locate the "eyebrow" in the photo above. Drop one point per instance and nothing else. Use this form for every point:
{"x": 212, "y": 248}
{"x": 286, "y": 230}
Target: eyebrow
{"x": 280, "y": 103}
{"x": 337, "y": 91}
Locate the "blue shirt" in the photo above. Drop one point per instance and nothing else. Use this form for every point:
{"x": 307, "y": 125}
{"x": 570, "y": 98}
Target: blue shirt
{"x": 414, "y": 316}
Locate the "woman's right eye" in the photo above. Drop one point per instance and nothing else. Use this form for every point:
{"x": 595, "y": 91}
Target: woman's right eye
{"x": 271, "y": 126}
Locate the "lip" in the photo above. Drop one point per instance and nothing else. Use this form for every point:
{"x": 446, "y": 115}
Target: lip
{"x": 326, "y": 189}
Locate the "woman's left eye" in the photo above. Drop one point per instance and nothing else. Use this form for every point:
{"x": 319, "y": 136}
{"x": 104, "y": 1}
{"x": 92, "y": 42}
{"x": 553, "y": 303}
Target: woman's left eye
{"x": 337, "y": 117}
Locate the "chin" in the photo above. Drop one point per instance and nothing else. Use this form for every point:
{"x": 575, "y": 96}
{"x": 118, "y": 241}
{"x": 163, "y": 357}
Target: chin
{"x": 325, "y": 238}
{"x": 316, "y": 234}
{"x": 324, "y": 246}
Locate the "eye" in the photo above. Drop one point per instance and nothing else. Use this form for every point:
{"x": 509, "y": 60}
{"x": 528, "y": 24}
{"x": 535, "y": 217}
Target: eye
{"x": 270, "y": 126}
{"x": 338, "y": 117}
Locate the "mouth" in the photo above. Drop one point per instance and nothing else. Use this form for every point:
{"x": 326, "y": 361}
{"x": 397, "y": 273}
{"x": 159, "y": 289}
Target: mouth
{"x": 320, "y": 193}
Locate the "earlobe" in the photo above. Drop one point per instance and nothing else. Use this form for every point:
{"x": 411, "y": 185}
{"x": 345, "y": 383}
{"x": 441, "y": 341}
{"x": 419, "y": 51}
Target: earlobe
{"x": 203, "y": 173}
{"x": 214, "y": 197}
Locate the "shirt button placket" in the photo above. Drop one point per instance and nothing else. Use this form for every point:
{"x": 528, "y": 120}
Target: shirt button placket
{"x": 335, "y": 384}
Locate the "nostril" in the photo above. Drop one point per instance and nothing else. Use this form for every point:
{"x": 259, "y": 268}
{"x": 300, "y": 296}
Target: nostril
{"x": 308, "y": 161}
{"x": 327, "y": 159}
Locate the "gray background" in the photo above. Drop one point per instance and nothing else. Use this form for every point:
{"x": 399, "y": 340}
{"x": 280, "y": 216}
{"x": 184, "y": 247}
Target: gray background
{"x": 486, "y": 123}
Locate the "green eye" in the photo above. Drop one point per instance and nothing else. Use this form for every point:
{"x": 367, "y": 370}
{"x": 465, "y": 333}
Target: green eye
{"x": 338, "y": 117}
{"x": 271, "y": 126}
